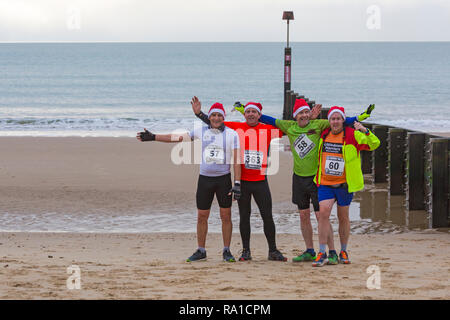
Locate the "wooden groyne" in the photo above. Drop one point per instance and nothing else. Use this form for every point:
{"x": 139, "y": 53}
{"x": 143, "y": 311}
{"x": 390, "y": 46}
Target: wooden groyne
{"x": 412, "y": 163}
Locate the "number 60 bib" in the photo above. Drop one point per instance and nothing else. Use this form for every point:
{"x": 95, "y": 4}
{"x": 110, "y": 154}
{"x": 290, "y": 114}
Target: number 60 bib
{"x": 334, "y": 166}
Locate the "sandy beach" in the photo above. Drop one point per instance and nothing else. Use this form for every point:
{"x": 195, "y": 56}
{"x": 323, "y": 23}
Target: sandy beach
{"x": 121, "y": 176}
{"x": 151, "y": 266}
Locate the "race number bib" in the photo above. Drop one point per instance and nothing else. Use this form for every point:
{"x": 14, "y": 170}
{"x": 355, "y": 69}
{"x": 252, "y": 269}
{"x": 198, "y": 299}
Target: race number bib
{"x": 214, "y": 154}
{"x": 334, "y": 166}
{"x": 253, "y": 159}
{"x": 303, "y": 145}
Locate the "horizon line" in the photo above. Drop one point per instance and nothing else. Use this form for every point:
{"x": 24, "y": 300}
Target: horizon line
{"x": 327, "y": 41}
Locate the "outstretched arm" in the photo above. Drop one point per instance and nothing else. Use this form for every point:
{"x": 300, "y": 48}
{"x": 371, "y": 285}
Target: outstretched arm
{"x": 148, "y": 136}
{"x": 268, "y": 120}
{"x": 349, "y": 121}
{"x": 363, "y": 116}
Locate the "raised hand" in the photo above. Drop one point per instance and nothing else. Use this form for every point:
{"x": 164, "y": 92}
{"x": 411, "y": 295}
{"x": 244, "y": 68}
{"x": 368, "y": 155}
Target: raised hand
{"x": 196, "y": 105}
{"x": 238, "y": 107}
{"x": 366, "y": 114}
{"x": 315, "y": 111}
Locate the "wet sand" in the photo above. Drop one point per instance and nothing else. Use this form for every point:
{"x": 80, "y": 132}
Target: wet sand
{"x": 118, "y": 175}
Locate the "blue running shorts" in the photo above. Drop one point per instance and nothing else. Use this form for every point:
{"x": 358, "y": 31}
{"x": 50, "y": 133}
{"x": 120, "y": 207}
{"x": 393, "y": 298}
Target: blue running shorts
{"x": 341, "y": 194}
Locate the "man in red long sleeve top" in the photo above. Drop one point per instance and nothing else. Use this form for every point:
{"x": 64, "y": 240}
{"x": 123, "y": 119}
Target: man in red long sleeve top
{"x": 255, "y": 139}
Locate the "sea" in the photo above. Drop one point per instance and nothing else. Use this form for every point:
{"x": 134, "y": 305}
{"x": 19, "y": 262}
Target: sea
{"x": 117, "y": 89}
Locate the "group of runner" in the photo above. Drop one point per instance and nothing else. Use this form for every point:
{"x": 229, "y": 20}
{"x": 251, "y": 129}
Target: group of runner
{"x": 327, "y": 168}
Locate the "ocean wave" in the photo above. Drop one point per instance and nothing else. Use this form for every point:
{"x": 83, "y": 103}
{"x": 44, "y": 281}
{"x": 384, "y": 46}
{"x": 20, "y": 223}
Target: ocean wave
{"x": 128, "y": 126}
{"x": 423, "y": 125}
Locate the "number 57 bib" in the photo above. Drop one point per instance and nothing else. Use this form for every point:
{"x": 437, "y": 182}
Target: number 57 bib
{"x": 214, "y": 154}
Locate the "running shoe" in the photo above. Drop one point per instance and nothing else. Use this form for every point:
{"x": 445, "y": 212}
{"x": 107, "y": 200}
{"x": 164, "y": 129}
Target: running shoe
{"x": 305, "y": 256}
{"x": 333, "y": 258}
{"x": 321, "y": 259}
{"x": 246, "y": 255}
{"x": 228, "y": 257}
{"x": 343, "y": 257}
{"x": 276, "y": 255}
{"x": 197, "y": 256}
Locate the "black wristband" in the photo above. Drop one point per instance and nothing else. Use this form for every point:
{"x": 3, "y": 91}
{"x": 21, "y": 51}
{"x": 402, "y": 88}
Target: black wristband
{"x": 202, "y": 116}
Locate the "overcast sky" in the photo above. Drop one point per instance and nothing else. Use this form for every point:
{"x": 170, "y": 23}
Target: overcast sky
{"x": 223, "y": 20}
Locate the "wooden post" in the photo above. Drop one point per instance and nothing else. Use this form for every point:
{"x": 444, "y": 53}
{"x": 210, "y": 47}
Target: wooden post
{"x": 415, "y": 164}
{"x": 287, "y": 111}
{"x": 396, "y": 161}
{"x": 324, "y": 113}
{"x": 286, "y": 104}
{"x": 380, "y": 155}
{"x": 440, "y": 183}
{"x": 287, "y": 78}
{"x": 366, "y": 156}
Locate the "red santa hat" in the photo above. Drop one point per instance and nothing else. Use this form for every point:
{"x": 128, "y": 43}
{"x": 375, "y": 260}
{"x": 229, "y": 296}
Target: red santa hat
{"x": 216, "y": 107}
{"x": 300, "y": 105}
{"x": 253, "y": 105}
{"x": 337, "y": 109}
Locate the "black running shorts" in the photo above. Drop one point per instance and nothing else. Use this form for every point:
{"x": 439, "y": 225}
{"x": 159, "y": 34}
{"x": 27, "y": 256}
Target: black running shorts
{"x": 304, "y": 191}
{"x": 207, "y": 187}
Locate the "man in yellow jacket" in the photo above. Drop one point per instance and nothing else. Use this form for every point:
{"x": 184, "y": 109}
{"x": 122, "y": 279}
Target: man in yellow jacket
{"x": 338, "y": 176}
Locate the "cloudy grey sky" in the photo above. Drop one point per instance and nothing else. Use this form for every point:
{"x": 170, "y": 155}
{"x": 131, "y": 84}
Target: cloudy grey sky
{"x": 223, "y": 20}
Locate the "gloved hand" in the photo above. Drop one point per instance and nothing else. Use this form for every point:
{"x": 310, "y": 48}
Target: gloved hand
{"x": 145, "y": 136}
{"x": 238, "y": 107}
{"x": 236, "y": 190}
{"x": 366, "y": 114}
